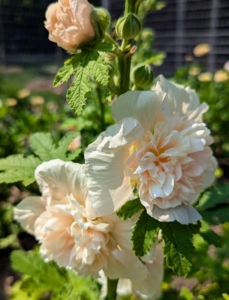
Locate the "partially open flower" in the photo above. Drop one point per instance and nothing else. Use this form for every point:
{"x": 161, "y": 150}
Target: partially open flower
{"x": 160, "y": 142}
{"x": 69, "y": 24}
{"x": 64, "y": 223}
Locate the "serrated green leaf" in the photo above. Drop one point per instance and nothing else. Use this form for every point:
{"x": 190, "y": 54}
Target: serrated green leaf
{"x": 178, "y": 248}
{"x": 92, "y": 66}
{"x": 144, "y": 234}
{"x": 44, "y": 147}
{"x": 68, "y": 292}
{"x": 18, "y": 168}
{"x": 99, "y": 71}
{"x": 213, "y": 196}
{"x": 129, "y": 209}
{"x": 33, "y": 265}
{"x": 216, "y": 216}
{"x": 63, "y": 75}
{"x": 195, "y": 227}
{"x": 76, "y": 94}
{"x": 102, "y": 46}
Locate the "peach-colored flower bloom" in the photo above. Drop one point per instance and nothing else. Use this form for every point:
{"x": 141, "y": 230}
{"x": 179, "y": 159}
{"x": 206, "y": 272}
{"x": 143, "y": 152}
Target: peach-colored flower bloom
{"x": 69, "y": 24}
{"x": 160, "y": 142}
{"x": 149, "y": 288}
{"x": 61, "y": 221}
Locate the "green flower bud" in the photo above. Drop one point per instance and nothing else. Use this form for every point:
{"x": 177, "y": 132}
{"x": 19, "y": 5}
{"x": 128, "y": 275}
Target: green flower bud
{"x": 128, "y": 27}
{"x": 142, "y": 76}
{"x": 101, "y": 21}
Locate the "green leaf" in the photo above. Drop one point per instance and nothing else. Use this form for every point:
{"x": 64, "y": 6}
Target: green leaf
{"x": 33, "y": 265}
{"x": 185, "y": 294}
{"x": 44, "y": 147}
{"x": 76, "y": 94}
{"x": 10, "y": 240}
{"x": 63, "y": 75}
{"x": 157, "y": 59}
{"x": 212, "y": 238}
{"x": 104, "y": 46}
{"x": 68, "y": 292}
{"x": 178, "y": 248}
{"x": 18, "y": 168}
{"x": 213, "y": 196}
{"x": 144, "y": 234}
{"x": 92, "y": 67}
{"x": 216, "y": 216}
{"x": 129, "y": 209}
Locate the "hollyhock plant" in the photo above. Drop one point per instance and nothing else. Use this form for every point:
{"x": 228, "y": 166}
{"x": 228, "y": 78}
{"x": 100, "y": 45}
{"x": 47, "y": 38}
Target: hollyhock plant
{"x": 159, "y": 145}
{"x": 69, "y": 24}
{"x": 60, "y": 220}
{"x": 149, "y": 288}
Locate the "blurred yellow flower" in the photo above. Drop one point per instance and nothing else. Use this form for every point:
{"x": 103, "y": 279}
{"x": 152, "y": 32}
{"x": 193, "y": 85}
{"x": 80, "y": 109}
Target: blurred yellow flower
{"x": 206, "y": 76}
{"x": 219, "y": 173}
{"x": 11, "y": 102}
{"x": 23, "y": 93}
{"x": 37, "y": 100}
{"x": 194, "y": 71}
{"x": 201, "y": 49}
{"x": 221, "y": 76}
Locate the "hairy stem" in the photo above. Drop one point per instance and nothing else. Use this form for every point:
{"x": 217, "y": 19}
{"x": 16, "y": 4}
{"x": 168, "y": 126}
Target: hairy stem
{"x": 111, "y": 288}
{"x": 102, "y": 111}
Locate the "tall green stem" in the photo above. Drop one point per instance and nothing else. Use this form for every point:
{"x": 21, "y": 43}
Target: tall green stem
{"x": 111, "y": 288}
{"x": 124, "y": 60}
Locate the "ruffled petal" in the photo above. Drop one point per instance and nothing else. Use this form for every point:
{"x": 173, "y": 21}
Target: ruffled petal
{"x": 27, "y": 212}
{"x": 149, "y": 288}
{"x": 140, "y": 105}
{"x": 184, "y": 214}
{"x": 108, "y": 185}
{"x": 180, "y": 100}
{"x": 57, "y": 179}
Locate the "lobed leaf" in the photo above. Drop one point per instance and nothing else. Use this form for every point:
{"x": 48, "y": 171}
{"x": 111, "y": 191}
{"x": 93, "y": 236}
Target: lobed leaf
{"x": 18, "y": 168}
{"x": 44, "y": 147}
{"x": 33, "y": 265}
{"x": 144, "y": 234}
{"x": 63, "y": 75}
{"x": 216, "y": 216}
{"x": 178, "y": 248}
{"x": 213, "y": 196}
{"x": 129, "y": 209}
{"x": 92, "y": 66}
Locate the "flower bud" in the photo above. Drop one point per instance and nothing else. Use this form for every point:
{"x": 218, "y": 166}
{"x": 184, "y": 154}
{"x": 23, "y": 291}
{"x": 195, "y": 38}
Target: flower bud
{"x": 128, "y": 27}
{"x": 143, "y": 76}
{"x": 101, "y": 21}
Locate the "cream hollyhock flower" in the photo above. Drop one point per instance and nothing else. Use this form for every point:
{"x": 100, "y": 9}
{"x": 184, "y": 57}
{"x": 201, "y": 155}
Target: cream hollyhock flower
{"x": 69, "y": 24}
{"x": 61, "y": 222}
{"x": 160, "y": 143}
{"x": 149, "y": 288}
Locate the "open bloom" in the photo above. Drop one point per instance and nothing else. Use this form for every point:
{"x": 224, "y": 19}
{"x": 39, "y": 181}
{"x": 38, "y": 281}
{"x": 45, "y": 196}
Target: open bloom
{"x": 149, "y": 288}
{"x": 159, "y": 145}
{"x": 61, "y": 222}
{"x": 68, "y": 23}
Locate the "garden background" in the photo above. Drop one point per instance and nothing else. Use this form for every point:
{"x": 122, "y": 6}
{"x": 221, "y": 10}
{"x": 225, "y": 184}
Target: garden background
{"x": 28, "y": 103}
